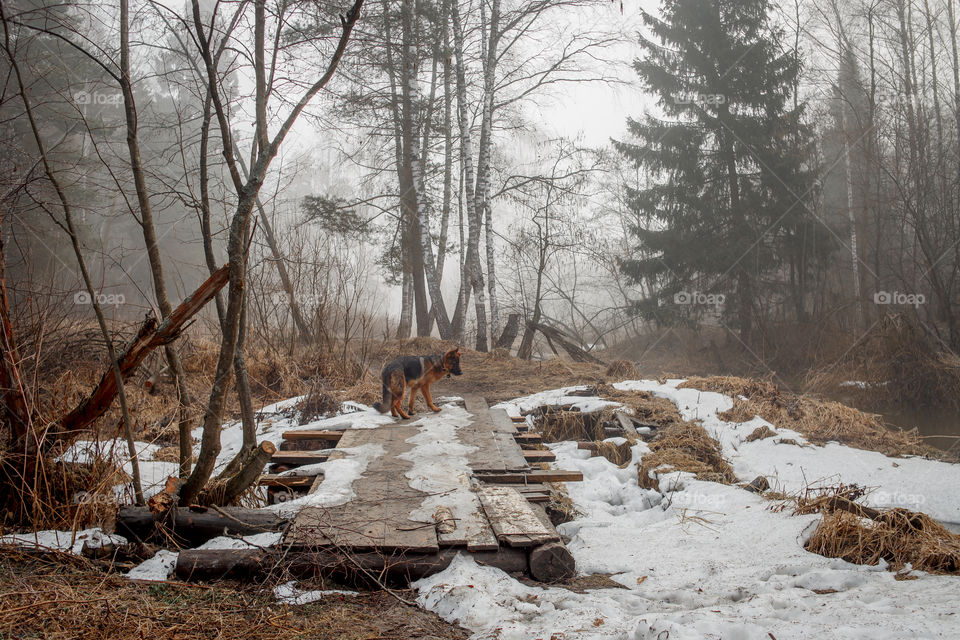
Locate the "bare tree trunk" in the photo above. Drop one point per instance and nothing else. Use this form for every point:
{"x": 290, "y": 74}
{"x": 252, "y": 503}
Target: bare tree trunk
{"x": 410, "y": 111}
{"x": 473, "y": 221}
{"x": 484, "y": 208}
{"x": 149, "y": 231}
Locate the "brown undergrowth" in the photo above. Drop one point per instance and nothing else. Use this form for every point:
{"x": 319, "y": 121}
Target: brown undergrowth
{"x": 863, "y": 535}
{"x": 62, "y": 597}
{"x": 684, "y": 446}
{"x": 820, "y": 421}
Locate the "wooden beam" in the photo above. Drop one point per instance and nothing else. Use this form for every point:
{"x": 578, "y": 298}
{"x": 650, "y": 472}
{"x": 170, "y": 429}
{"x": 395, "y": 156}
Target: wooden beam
{"x": 539, "y": 455}
{"x": 533, "y": 476}
{"x": 287, "y": 482}
{"x": 313, "y": 434}
{"x": 294, "y": 458}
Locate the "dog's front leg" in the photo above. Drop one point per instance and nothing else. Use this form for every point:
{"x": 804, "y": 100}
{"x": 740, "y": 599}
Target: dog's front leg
{"x": 429, "y": 399}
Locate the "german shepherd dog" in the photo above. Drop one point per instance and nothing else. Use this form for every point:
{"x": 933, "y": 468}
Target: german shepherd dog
{"x": 418, "y": 373}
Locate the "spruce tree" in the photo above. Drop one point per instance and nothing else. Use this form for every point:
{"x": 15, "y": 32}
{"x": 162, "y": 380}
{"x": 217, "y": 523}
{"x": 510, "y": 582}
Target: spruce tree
{"x": 724, "y": 156}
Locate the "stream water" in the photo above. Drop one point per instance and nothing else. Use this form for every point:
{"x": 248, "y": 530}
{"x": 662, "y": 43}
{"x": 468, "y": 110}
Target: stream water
{"x": 940, "y": 427}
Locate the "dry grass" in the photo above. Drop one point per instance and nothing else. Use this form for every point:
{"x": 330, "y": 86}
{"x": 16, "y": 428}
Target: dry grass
{"x": 820, "y": 421}
{"x": 60, "y": 597}
{"x": 559, "y": 425}
{"x": 760, "y": 433}
{"x": 622, "y": 369}
{"x": 898, "y": 536}
{"x": 685, "y": 446}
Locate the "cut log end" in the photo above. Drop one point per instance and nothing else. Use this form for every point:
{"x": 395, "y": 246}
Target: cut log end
{"x": 552, "y": 562}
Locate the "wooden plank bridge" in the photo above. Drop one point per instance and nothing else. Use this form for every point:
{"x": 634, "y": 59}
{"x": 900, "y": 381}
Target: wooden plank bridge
{"x": 489, "y": 504}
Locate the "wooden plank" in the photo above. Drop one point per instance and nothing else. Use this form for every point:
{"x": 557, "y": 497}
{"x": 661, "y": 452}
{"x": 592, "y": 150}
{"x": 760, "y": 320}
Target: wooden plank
{"x": 292, "y": 458}
{"x": 512, "y": 519}
{"x": 528, "y": 438}
{"x": 501, "y": 421}
{"x": 539, "y": 455}
{"x": 378, "y": 517}
{"x": 626, "y": 424}
{"x": 535, "y": 475}
{"x": 313, "y": 434}
{"x": 289, "y": 482}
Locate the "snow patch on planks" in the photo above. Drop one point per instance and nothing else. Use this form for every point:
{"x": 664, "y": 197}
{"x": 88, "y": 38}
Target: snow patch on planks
{"x": 513, "y": 520}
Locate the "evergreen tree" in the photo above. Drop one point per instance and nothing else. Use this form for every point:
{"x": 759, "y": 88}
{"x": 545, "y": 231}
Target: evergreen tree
{"x": 725, "y": 158}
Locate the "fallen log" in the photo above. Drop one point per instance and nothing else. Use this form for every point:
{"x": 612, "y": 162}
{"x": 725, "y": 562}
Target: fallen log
{"x": 214, "y": 564}
{"x": 552, "y": 562}
{"x": 191, "y": 527}
{"x": 577, "y": 353}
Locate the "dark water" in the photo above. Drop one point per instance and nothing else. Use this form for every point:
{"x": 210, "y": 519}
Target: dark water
{"x": 938, "y": 426}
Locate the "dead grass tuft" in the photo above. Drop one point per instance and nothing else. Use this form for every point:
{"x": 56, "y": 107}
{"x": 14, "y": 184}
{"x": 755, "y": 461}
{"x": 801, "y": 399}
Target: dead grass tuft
{"x": 558, "y": 425}
{"x": 318, "y": 403}
{"x": 622, "y": 369}
{"x": 899, "y": 536}
{"x": 685, "y": 446}
{"x": 760, "y": 433}
{"x": 732, "y": 386}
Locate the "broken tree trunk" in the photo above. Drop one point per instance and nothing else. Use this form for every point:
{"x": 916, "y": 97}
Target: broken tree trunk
{"x": 148, "y": 337}
{"x": 555, "y": 335}
{"x": 226, "y": 489}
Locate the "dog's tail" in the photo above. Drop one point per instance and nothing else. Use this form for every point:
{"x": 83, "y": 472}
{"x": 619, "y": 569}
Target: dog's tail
{"x": 384, "y": 407}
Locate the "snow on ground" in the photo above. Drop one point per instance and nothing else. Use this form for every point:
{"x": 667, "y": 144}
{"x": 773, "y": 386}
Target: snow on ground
{"x": 913, "y": 482}
{"x": 66, "y": 541}
{"x": 288, "y": 593}
{"x": 159, "y": 567}
{"x": 705, "y": 560}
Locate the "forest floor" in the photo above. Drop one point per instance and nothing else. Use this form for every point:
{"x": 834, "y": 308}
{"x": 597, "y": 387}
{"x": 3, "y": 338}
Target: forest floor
{"x": 662, "y": 542}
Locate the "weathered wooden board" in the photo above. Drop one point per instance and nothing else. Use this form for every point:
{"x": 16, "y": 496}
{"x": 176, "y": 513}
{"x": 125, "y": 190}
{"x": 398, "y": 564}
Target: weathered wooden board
{"x": 512, "y": 519}
{"x": 378, "y": 517}
{"x": 529, "y": 477}
{"x": 313, "y": 434}
{"x": 528, "y": 439}
{"x": 290, "y": 482}
{"x": 292, "y": 458}
{"x": 538, "y": 455}
{"x": 495, "y": 448}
